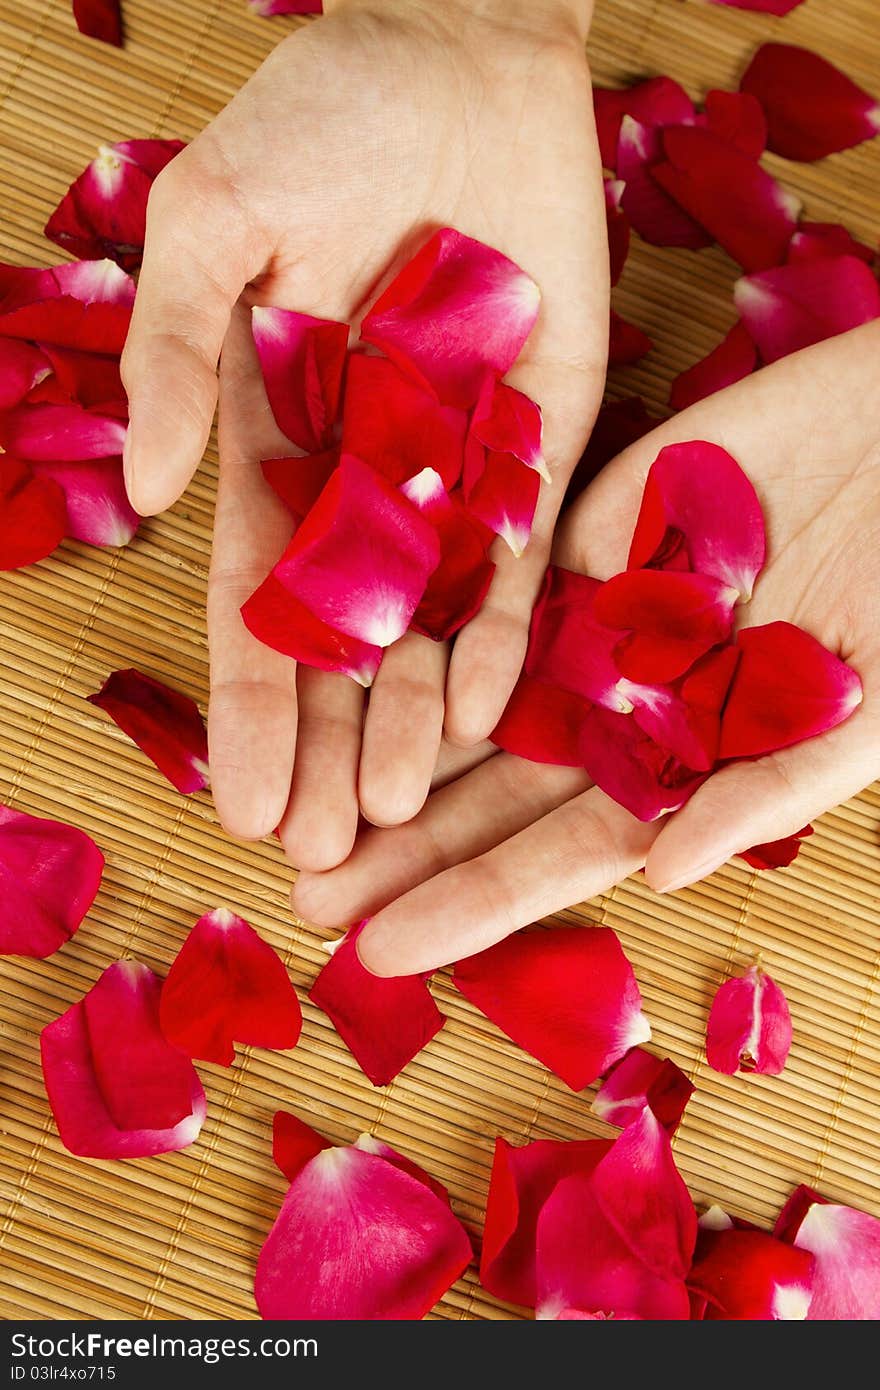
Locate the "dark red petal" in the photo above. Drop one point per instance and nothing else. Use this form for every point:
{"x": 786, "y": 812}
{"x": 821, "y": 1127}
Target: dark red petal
{"x": 657, "y": 218}
{"x": 817, "y": 240}
{"x": 383, "y": 1022}
{"x": 522, "y": 1180}
{"x": 812, "y": 108}
{"x": 749, "y": 1026}
{"x": 294, "y": 1143}
{"x": 543, "y": 723}
{"x": 99, "y": 19}
{"x": 698, "y": 500}
{"x": 738, "y": 119}
{"x": 279, "y": 620}
{"x": 359, "y": 1239}
{"x": 165, "y": 725}
{"x": 504, "y": 498}
{"x": 845, "y": 1244}
{"x": 566, "y": 995}
{"x": 751, "y": 1276}
{"x": 459, "y": 584}
{"x": 88, "y": 378}
{"x": 787, "y": 687}
{"x": 631, "y": 768}
{"x": 299, "y": 482}
{"x": 302, "y": 360}
{"x": 657, "y": 102}
{"x": 22, "y": 366}
{"x": 728, "y": 193}
{"x": 398, "y": 426}
{"x": 33, "y": 515}
{"x": 793, "y": 306}
{"x": 639, "y": 1079}
{"x": 618, "y": 424}
{"x": 776, "y": 854}
{"x": 618, "y": 227}
{"x": 227, "y": 985}
{"x": 100, "y": 326}
{"x": 627, "y": 343}
{"x": 734, "y": 358}
{"x": 568, "y": 646}
{"x": 675, "y": 616}
{"x": 49, "y": 875}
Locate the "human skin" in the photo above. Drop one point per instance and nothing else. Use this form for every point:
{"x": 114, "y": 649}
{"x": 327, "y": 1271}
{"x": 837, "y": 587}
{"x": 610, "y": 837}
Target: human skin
{"x": 359, "y": 135}
{"x": 511, "y": 841}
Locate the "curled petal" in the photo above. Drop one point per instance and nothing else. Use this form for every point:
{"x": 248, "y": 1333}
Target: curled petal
{"x": 845, "y": 1244}
{"x": 99, "y": 19}
{"x": 50, "y": 873}
{"x": 699, "y": 507}
{"x": 359, "y": 1239}
{"x": 299, "y": 482}
{"x": 507, "y": 422}
{"x": 116, "y": 1088}
{"x": 279, "y": 620}
{"x": 639, "y": 1079}
{"x": 787, "y": 687}
{"x": 675, "y": 618}
{"x": 459, "y": 584}
{"x": 738, "y": 119}
{"x": 618, "y": 424}
{"x": 542, "y": 722}
{"x": 751, "y": 1276}
{"x": 626, "y": 343}
{"x": 729, "y": 194}
{"x": 776, "y": 854}
{"x": 383, "y": 1022}
{"x": 812, "y": 108}
{"x": 504, "y": 498}
{"x": 456, "y": 309}
{"x": 227, "y": 985}
{"x": 749, "y": 1027}
{"x": 566, "y": 995}
{"x": 732, "y": 360}
{"x": 793, "y": 306}
{"x": 89, "y": 379}
{"x": 618, "y": 227}
{"x": 98, "y": 509}
{"x": 685, "y": 718}
{"x": 33, "y": 515}
{"x": 294, "y": 1143}
{"x": 657, "y": 217}
{"x": 397, "y": 426}
{"x": 631, "y": 768}
{"x": 302, "y": 359}
{"x": 165, "y": 725}
{"x": 657, "y": 102}
{"x": 57, "y": 432}
{"x": 818, "y": 240}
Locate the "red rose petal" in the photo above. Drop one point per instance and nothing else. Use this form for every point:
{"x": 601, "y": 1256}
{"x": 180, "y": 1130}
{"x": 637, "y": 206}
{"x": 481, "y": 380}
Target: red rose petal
{"x": 33, "y": 515}
{"x": 457, "y": 308}
{"x": 750, "y": 1276}
{"x": 265, "y": 8}
{"x": 508, "y": 422}
{"x": 383, "y": 1022}
{"x": 88, "y": 378}
{"x": 98, "y": 509}
{"x": 631, "y": 768}
{"x": 657, "y": 218}
{"x": 165, "y": 725}
{"x": 369, "y": 1144}
{"x": 737, "y": 118}
{"x": 618, "y": 227}
{"x": 227, "y": 985}
{"x": 398, "y": 426}
{"x": 618, "y": 424}
{"x": 322, "y": 1258}
{"x": 639, "y": 1079}
{"x": 568, "y": 646}
{"x": 125, "y": 1051}
{"x": 845, "y": 1244}
{"x": 699, "y": 504}
{"x": 627, "y": 343}
{"x": 749, "y": 1027}
{"x": 302, "y": 359}
{"x": 504, "y": 498}
{"x": 732, "y": 360}
{"x": 542, "y": 722}
{"x": 58, "y": 432}
{"x": 729, "y": 194}
{"x": 299, "y": 482}
{"x": 776, "y": 854}
{"x": 657, "y": 102}
{"x": 818, "y": 240}
{"x": 776, "y": 7}
{"x": 522, "y": 1180}
{"x": 50, "y": 873}
{"x": 22, "y": 366}
{"x": 566, "y": 995}
{"x": 677, "y": 617}
{"x": 812, "y": 108}
{"x": 459, "y": 584}
{"x": 294, "y": 1143}
{"x": 684, "y": 718}
{"x": 279, "y": 620}
{"x": 793, "y": 306}
{"x": 787, "y": 687}
{"x": 99, "y": 19}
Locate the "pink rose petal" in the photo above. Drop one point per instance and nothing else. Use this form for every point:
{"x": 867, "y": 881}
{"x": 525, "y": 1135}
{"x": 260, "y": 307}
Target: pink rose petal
{"x": 302, "y": 359}
{"x": 793, "y": 306}
{"x": 398, "y": 426}
{"x": 732, "y": 360}
{"x": 58, "y": 432}
{"x": 266, "y": 8}
{"x": 165, "y": 725}
{"x": 459, "y": 584}
{"x": 22, "y": 366}
{"x": 812, "y": 108}
{"x": 819, "y": 240}
{"x": 33, "y": 515}
{"x": 639, "y": 1079}
{"x": 749, "y": 1027}
{"x": 279, "y": 620}
{"x": 775, "y": 7}
{"x": 568, "y": 646}
{"x": 504, "y": 498}
{"x": 845, "y": 1244}
{"x": 50, "y": 873}
{"x": 507, "y": 422}
{"x": 98, "y": 509}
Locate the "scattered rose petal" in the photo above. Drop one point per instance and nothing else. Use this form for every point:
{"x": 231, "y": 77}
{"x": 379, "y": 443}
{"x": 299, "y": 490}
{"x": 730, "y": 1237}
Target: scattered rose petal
{"x": 685, "y": 718}
{"x": 657, "y": 102}
{"x": 568, "y": 646}
{"x": 737, "y": 118}
{"x": 618, "y": 424}
{"x": 776, "y": 854}
{"x": 265, "y": 8}
{"x": 50, "y": 873}
{"x": 279, "y": 620}
{"x": 618, "y": 227}
{"x": 776, "y": 7}
{"x": 459, "y": 584}
{"x": 456, "y": 309}
{"x": 566, "y": 995}
{"x": 302, "y": 359}
{"x": 33, "y": 515}
{"x": 674, "y": 618}
{"x": 812, "y": 108}
{"x": 58, "y": 432}
{"x": 749, "y": 1027}
{"x": 383, "y": 1022}
{"x": 732, "y": 360}
{"x": 507, "y": 422}
{"x": 818, "y": 240}
{"x": 542, "y": 722}
{"x": 99, "y": 19}
{"x": 787, "y": 687}
{"x": 793, "y": 306}
{"x": 751, "y": 1276}
{"x": 294, "y": 1143}
{"x": 639, "y": 1079}
{"x": 658, "y": 218}
{"x": 227, "y": 985}
{"x": 299, "y": 482}
{"x": 369, "y": 1144}
{"x": 98, "y": 509}
{"x": 165, "y": 725}
{"x": 631, "y": 768}
{"x": 627, "y": 343}
{"x": 845, "y": 1244}
{"x": 84, "y": 305}
{"x": 398, "y": 426}
{"x": 504, "y": 498}
{"x": 22, "y": 366}
{"x": 357, "y": 1238}
{"x": 116, "y": 1088}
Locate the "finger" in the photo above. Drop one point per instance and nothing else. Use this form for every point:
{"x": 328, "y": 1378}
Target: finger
{"x": 252, "y": 711}
{"x": 573, "y": 853}
{"x": 454, "y": 762}
{"x": 755, "y": 803}
{"x": 199, "y": 254}
{"x": 461, "y": 820}
{"x": 321, "y": 819}
{"x": 402, "y": 730}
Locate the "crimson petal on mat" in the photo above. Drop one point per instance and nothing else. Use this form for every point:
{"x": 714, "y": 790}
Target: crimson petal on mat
{"x": 266, "y": 8}
{"x": 749, "y": 1027}
{"x": 302, "y": 359}
{"x": 793, "y": 306}
{"x": 165, "y": 725}
{"x": 459, "y": 584}
{"x": 776, "y": 854}
{"x": 738, "y": 118}
{"x": 50, "y": 873}
{"x": 227, "y": 985}
{"x": 627, "y": 342}
{"x": 33, "y": 515}
{"x": 566, "y": 995}
{"x": 659, "y": 101}
{"x": 732, "y": 360}
{"x": 357, "y": 1238}
{"x": 280, "y": 621}
{"x": 751, "y": 1276}
{"x": 294, "y": 1143}
{"x": 674, "y": 617}
{"x": 300, "y": 481}
{"x": 818, "y": 240}
{"x": 639, "y": 1079}
{"x": 845, "y": 1244}
{"x": 99, "y": 19}
{"x": 658, "y": 218}
{"x": 787, "y": 687}
{"x": 456, "y": 309}
{"x": 812, "y": 108}
{"x": 729, "y": 194}
{"x": 775, "y": 7}
{"x": 369, "y": 1144}
{"x": 98, "y": 509}
{"x": 384, "y": 1023}
{"x": 22, "y": 366}
{"x": 542, "y": 722}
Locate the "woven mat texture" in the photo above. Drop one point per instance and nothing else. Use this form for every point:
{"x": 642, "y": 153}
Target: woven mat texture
{"x": 177, "y": 1237}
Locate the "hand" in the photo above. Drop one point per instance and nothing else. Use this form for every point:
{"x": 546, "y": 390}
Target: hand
{"x": 360, "y": 134}
{"x": 512, "y": 841}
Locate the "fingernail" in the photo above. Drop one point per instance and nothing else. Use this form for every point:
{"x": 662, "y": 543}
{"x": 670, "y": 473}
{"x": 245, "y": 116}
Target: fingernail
{"x": 693, "y": 875}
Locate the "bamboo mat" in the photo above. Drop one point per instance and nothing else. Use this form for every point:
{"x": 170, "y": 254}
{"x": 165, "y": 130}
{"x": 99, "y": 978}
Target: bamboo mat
{"x": 177, "y": 1237}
